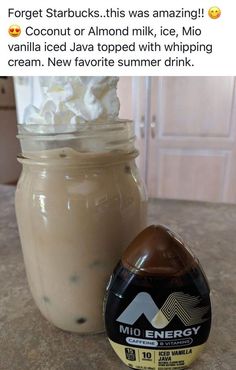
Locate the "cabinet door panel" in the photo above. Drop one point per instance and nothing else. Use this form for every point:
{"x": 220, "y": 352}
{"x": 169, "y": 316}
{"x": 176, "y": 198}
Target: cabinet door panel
{"x": 9, "y": 147}
{"x": 193, "y": 149}
{"x": 187, "y": 174}
{"x": 196, "y": 106}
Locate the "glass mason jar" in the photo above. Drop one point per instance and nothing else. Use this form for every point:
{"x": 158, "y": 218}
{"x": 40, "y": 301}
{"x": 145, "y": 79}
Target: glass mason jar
{"x": 79, "y": 202}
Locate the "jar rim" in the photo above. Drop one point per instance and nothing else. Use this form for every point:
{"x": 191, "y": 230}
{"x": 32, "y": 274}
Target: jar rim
{"x": 63, "y": 131}
{"x": 86, "y": 137}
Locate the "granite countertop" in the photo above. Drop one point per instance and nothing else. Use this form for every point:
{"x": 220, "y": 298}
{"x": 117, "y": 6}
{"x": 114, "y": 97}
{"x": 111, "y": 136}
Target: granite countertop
{"x": 29, "y": 342}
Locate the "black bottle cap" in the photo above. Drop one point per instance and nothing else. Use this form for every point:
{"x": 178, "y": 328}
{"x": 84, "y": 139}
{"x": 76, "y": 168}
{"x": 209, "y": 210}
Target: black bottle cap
{"x": 158, "y": 251}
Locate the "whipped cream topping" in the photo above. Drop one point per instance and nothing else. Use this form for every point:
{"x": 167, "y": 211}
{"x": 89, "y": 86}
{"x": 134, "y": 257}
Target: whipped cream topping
{"x": 74, "y": 100}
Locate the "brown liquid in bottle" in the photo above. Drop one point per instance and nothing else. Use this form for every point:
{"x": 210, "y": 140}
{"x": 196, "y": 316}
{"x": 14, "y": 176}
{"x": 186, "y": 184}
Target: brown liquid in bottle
{"x": 158, "y": 311}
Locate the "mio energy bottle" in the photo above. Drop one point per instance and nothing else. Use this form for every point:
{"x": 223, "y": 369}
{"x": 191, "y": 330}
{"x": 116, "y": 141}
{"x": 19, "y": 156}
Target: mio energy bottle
{"x": 157, "y": 309}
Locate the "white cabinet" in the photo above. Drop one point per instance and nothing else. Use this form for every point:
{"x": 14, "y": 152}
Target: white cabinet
{"x": 186, "y": 128}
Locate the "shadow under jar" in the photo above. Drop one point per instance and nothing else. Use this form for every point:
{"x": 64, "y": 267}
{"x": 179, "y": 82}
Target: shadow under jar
{"x": 79, "y": 203}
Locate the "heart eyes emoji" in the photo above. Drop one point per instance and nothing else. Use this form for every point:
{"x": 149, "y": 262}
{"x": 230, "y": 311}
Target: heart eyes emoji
{"x": 14, "y": 30}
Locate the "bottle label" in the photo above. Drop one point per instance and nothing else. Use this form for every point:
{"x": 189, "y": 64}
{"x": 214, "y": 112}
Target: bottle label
{"x": 151, "y": 331}
{"x": 149, "y": 359}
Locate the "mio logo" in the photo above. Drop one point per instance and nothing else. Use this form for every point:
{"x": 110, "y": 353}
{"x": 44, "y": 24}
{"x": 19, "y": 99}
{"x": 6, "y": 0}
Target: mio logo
{"x": 185, "y": 306}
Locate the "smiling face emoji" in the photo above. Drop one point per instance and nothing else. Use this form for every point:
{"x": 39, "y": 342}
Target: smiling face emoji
{"x": 14, "y": 30}
{"x": 214, "y": 12}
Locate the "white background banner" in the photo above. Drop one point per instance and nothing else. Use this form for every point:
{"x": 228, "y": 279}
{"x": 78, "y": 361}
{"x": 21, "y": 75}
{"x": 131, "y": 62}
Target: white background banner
{"x": 181, "y": 38}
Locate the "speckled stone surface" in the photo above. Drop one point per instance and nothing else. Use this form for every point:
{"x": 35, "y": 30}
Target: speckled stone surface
{"x": 29, "y": 342}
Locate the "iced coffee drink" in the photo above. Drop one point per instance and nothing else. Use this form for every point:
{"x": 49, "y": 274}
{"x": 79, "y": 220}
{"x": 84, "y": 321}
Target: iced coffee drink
{"x": 79, "y": 202}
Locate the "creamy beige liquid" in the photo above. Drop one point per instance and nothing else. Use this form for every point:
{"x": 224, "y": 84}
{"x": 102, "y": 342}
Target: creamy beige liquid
{"x": 76, "y": 214}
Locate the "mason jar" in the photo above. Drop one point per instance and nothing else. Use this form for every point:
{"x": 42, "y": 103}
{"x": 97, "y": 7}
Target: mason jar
{"x": 79, "y": 203}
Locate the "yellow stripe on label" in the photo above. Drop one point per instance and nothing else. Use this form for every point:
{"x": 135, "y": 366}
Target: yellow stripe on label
{"x": 150, "y": 359}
